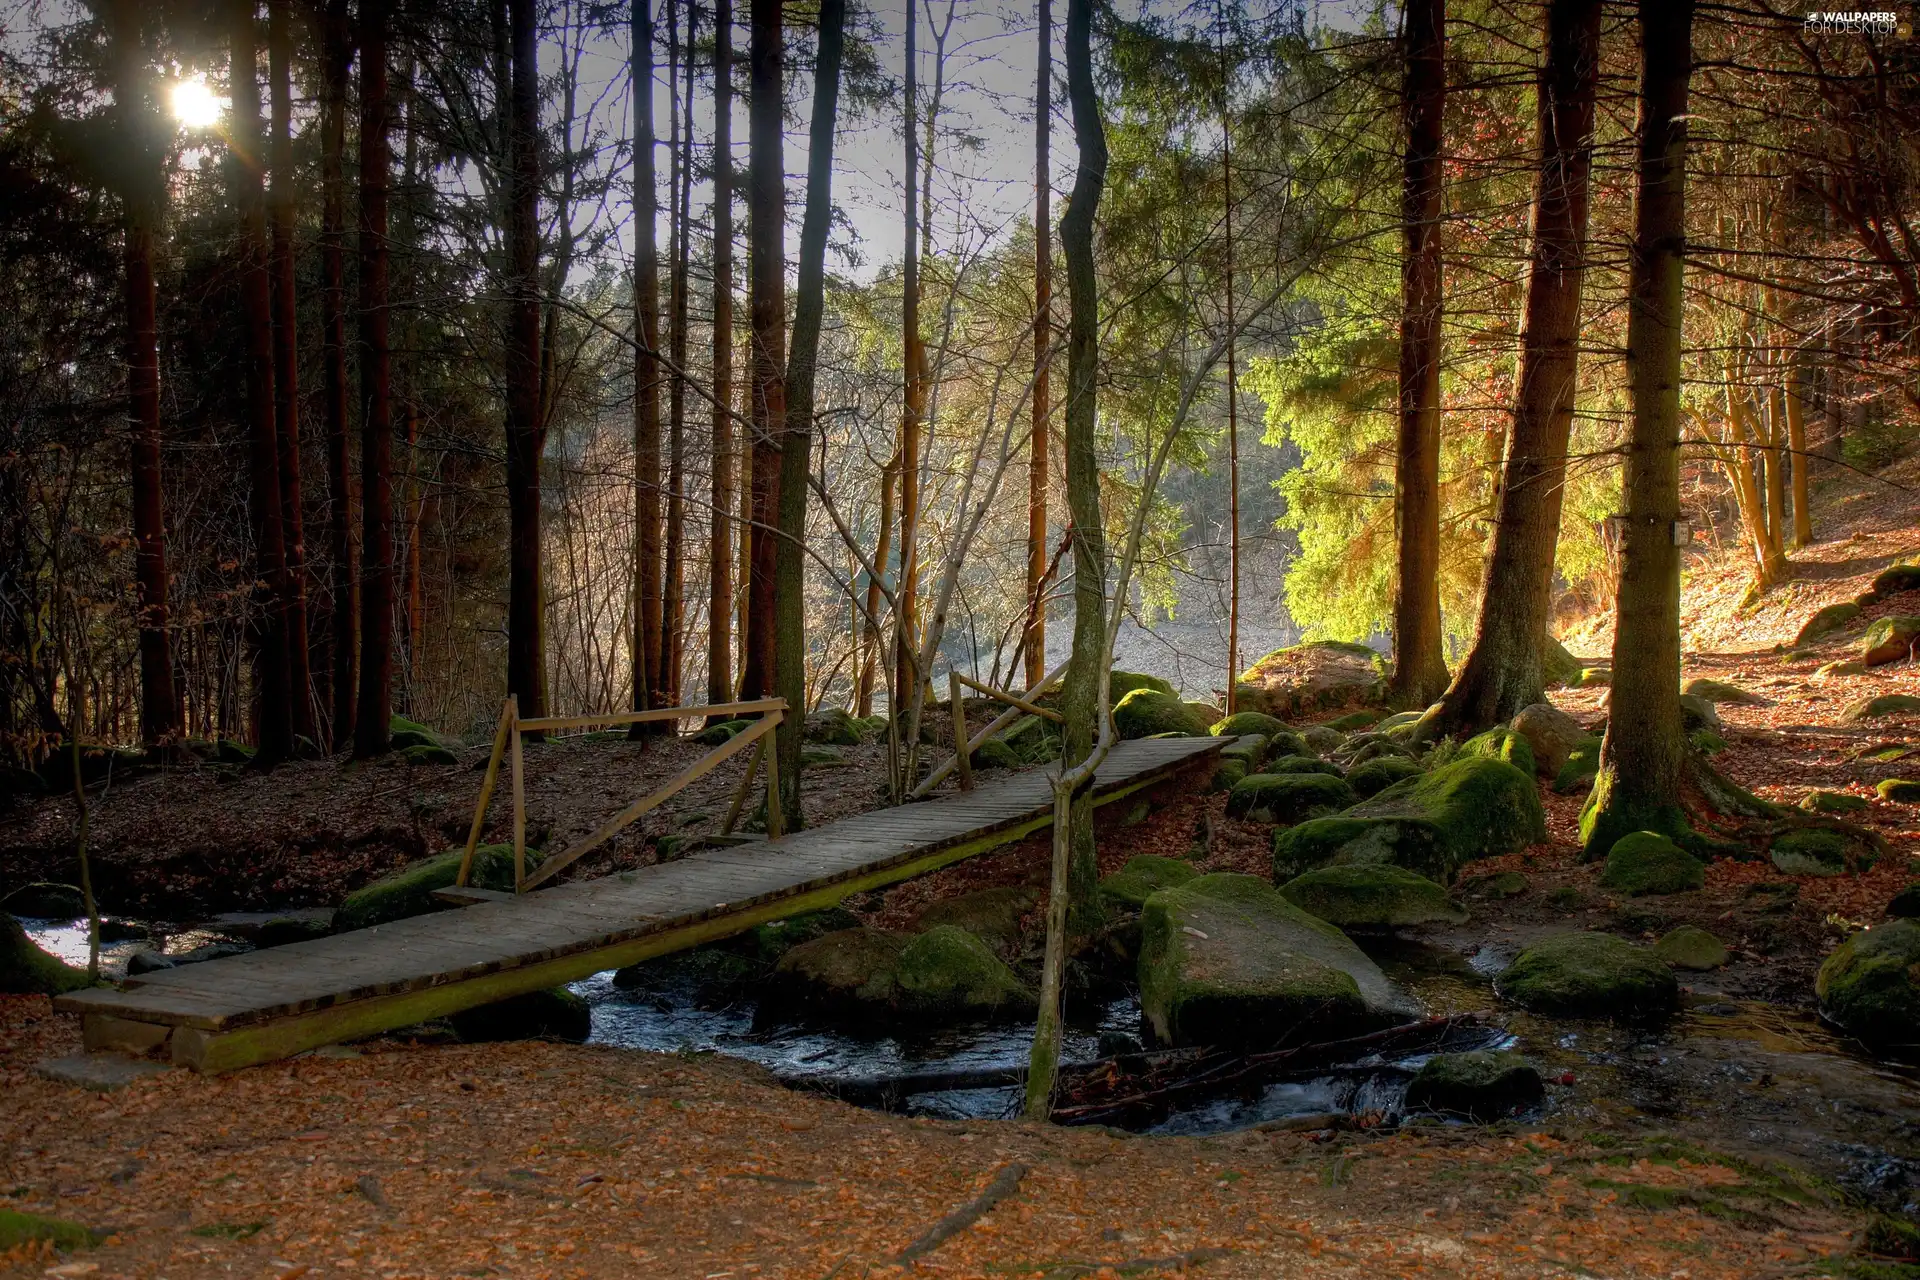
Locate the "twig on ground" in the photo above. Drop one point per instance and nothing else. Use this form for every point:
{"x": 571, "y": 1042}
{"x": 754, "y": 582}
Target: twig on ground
{"x": 1002, "y": 1186}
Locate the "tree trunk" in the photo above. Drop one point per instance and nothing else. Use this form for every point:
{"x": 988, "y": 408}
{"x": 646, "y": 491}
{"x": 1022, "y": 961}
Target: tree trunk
{"x": 914, "y": 399}
{"x": 1035, "y": 642}
{"x": 1638, "y": 787}
{"x": 272, "y": 689}
{"x": 1074, "y": 871}
{"x": 1504, "y": 670}
{"x": 286, "y": 365}
{"x": 1797, "y": 445}
{"x": 375, "y": 711}
{"x": 526, "y": 429}
{"x": 142, "y": 201}
{"x": 1419, "y": 666}
{"x": 646, "y": 374}
{"x": 416, "y": 593}
{"x": 790, "y": 657}
{"x": 720, "y": 544}
{"x": 673, "y": 601}
{"x": 767, "y": 309}
{"x": 342, "y": 668}
{"x": 1776, "y": 447}
{"x": 882, "y": 553}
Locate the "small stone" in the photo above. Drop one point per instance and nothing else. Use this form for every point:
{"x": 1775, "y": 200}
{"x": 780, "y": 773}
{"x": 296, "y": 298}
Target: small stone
{"x": 1814, "y": 853}
{"x": 1710, "y": 690}
{"x": 1691, "y": 948}
{"x": 1842, "y": 667}
{"x": 1483, "y": 1085}
{"x": 1826, "y": 621}
{"x": 1647, "y": 862}
{"x": 1890, "y": 639}
{"x": 1887, "y": 704}
{"x": 1507, "y": 884}
{"x": 1834, "y": 802}
{"x": 100, "y": 1072}
{"x": 1899, "y": 790}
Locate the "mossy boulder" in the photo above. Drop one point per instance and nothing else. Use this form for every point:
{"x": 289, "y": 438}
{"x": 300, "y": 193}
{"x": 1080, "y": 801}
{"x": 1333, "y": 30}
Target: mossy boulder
{"x": 1825, "y": 622}
{"x": 1691, "y": 948}
{"x": 850, "y": 973}
{"x": 1504, "y": 884}
{"x": 1870, "y": 986}
{"x": 948, "y": 974}
{"x": 1241, "y": 723}
{"x": 1482, "y": 808}
{"x": 1890, "y": 639}
{"x": 1344, "y": 841}
{"x": 409, "y": 891}
{"x": 1894, "y": 579}
{"x": 1594, "y": 678}
{"x": 1362, "y": 747}
{"x": 1288, "y": 743}
{"x": 1886, "y": 704}
{"x": 1841, "y": 667}
{"x": 20, "y": 1229}
{"x": 1036, "y": 739}
{"x": 26, "y": 970}
{"x": 1122, "y": 683}
{"x": 1322, "y": 739}
{"x": 1371, "y": 777}
{"x": 1372, "y": 897}
{"x": 1501, "y": 744}
{"x": 45, "y": 900}
{"x": 1206, "y": 712}
{"x": 403, "y": 734}
{"x": 1698, "y": 713}
{"x": 1721, "y": 691}
{"x": 1352, "y": 721}
{"x": 1227, "y": 774}
{"x": 1648, "y": 862}
{"x": 997, "y": 753}
{"x": 1818, "y": 852}
{"x": 1834, "y": 802}
{"x": 1145, "y": 713}
{"x": 1484, "y": 1086}
{"x": 426, "y": 753}
{"x": 1398, "y": 720}
{"x": 1226, "y": 959}
{"x": 1551, "y": 733}
{"x": 864, "y": 976}
{"x": 1142, "y": 877}
{"x": 1287, "y": 797}
{"x": 1590, "y": 975}
{"x": 1558, "y": 666}
{"x": 1899, "y": 790}
{"x": 554, "y": 1014}
{"x": 818, "y": 755}
{"x": 1581, "y": 768}
{"x": 1249, "y": 749}
{"x": 770, "y": 941}
{"x": 1906, "y": 903}
{"x": 1304, "y": 764}
{"x": 834, "y": 726}
{"x": 992, "y": 915}
{"x": 1319, "y": 675}
{"x": 715, "y": 735}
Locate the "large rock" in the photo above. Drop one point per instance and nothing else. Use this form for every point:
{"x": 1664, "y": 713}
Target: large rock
{"x": 1590, "y": 975}
{"x": 1122, "y": 683}
{"x": 1870, "y": 986}
{"x": 1834, "y": 802}
{"x": 1207, "y": 713}
{"x": 1225, "y": 959}
{"x": 834, "y": 726}
{"x": 947, "y": 974}
{"x": 555, "y": 1014}
{"x": 1484, "y": 1085}
{"x": 1894, "y": 579}
{"x": 1711, "y": 690}
{"x": 1241, "y": 723}
{"x": 1551, "y": 732}
{"x": 1304, "y": 764}
{"x": 1147, "y": 712}
{"x": 1343, "y": 841}
{"x": 26, "y": 970}
{"x": 1825, "y": 622}
{"x": 1692, "y": 948}
{"x": 991, "y": 915}
{"x": 1890, "y": 639}
{"x": 1287, "y": 797}
{"x": 409, "y": 891}
{"x": 1371, "y": 777}
{"x": 1319, "y": 675}
{"x": 865, "y": 976}
{"x": 1371, "y": 897}
{"x": 1899, "y": 790}
{"x": 1814, "y": 851}
{"x": 1581, "y": 768}
{"x": 1557, "y": 666}
{"x": 1142, "y": 877}
{"x": 1501, "y": 744}
{"x": 1648, "y": 862}
{"x": 1887, "y": 704}
{"x": 1035, "y": 739}
{"x": 1323, "y": 738}
{"x": 44, "y": 900}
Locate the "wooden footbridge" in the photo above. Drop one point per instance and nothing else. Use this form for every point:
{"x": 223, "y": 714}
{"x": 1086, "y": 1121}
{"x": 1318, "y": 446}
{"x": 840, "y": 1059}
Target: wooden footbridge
{"x": 223, "y": 1014}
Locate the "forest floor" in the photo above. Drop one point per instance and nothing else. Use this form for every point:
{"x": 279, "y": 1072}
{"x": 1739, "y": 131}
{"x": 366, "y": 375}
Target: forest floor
{"x": 398, "y": 1159}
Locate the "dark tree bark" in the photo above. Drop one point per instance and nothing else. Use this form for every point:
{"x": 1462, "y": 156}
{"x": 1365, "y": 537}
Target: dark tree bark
{"x": 674, "y": 591}
{"x": 646, "y": 374}
{"x": 913, "y": 401}
{"x": 767, "y": 310}
{"x": 374, "y": 714}
{"x": 1035, "y": 644}
{"x": 282, "y": 201}
{"x": 1419, "y": 665}
{"x": 1642, "y": 760}
{"x": 1504, "y": 670}
{"x": 341, "y": 670}
{"x": 526, "y": 427}
{"x": 790, "y": 567}
{"x": 720, "y": 537}
{"x": 272, "y": 689}
{"x": 143, "y": 194}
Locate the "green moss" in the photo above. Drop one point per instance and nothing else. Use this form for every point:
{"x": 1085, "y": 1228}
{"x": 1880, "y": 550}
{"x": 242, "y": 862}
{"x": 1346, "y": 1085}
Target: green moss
{"x": 1594, "y": 678}
{"x": 1825, "y": 622}
{"x": 409, "y": 891}
{"x": 426, "y": 753}
{"x": 1241, "y": 723}
{"x": 1688, "y": 947}
{"x": 1816, "y": 852}
{"x": 1887, "y": 704}
{"x": 1482, "y": 808}
{"x": 1484, "y": 1085}
{"x": 1895, "y": 579}
{"x": 1288, "y": 743}
{"x": 556, "y": 1014}
{"x": 1501, "y": 744}
{"x": 1648, "y": 862}
{"x": 835, "y": 727}
{"x": 1890, "y": 639}
{"x": 997, "y": 753}
{"x": 1354, "y": 720}
{"x": 1227, "y": 774}
{"x": 1145, "y": 712}
{"x": 1287, "y": 797}
{"x": 1868, "y": 987}
{"x": 1609, "y": 815}
{"x": 775, "y": 938}
{"x": 946, "y": 972}
{"x": 1371, "y": 777}
{"x": 1371, "y": 897}
{"x": 1412, "y": 843}
{"x": 1710, "y": 690}
{"x": 1303, "y": 764}
{"x": 1590, "y": 975}
{"x": 1122, "y": 683}
{"x": 848, "y": 972}
{"x": 27, "y": 970}
{"x": 993, "y": 915}
{"x": 1143, "y": 877}
{"x": 23, "y": 1228}
{"x": 1834, "y": 802}
{"x": 1037, "y": 740}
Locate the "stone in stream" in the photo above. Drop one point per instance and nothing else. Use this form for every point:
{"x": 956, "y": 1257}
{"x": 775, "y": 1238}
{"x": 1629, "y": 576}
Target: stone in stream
{"x": 947, "y": 974}
{"x": 1590, "y": 975}
{"x": 1818, "y": 852}
{"x": 1692, "y": 948}
{"x": 1145, "y": 713}
{"x": 409, "y": 891}
{"x": 1484, "y": 1085}
{"x": 991, "y": 915}
{"x": 1648, "y": 862}
{"x": 1501, "y": 744}
{"x": 1890, "y": 639}
{"x": 1834, "y": 802}
{"x": 1318, "y": 675}
{"x": 1304, "y": 764}
{"x": 153, "y": 961}
{"x": 1887, "y": 704}
{"x": 44, "y": 900}
{"x": 1869, "y": 986}
{"x": 1551, "y": 732}
{"x": 863, "y": 975}
{"x": 1226, "y": 959}
{"x": 26, "y": 970}
{"x": 1371, "y": 777}
{"x": 1245, "y": 722}
{"x": 554, "y": 1014}
{"x": 1287, "y": 797}
{"x": 1826, "y": 621}
{"x": 1142, "y": 877}
{"x": 1371, "y": 897}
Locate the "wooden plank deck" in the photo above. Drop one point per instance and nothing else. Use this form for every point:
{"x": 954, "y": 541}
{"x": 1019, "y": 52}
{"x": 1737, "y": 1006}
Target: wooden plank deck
{"x": 222, "y": 1014}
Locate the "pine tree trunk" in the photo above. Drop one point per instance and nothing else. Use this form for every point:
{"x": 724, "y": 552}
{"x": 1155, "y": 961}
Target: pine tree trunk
{"x": 272, "y": 689}
{"x": 790, "y": 665}
{"x": 416, "y": 592}
{"x": 374, "y": 714}
{"x": 342, "y": 668}
{"x": 1641, "y": 762}
{"x": 914, "y": 402}
{"x": 882, "y": 552}
{"x": 142, "y": 201}
{"x": 720, "y": 543}
{"x": 1504, "y": 671}
{"x": 1419, "y": 667}
{"x": 673, "y": 601}
{"x": 1797, "y": 444}
{"x": 526, "y": 430}
{"x": 767, "y": 311}
{"x": 1035, "y": 642}
{"x": 646, "y": 373}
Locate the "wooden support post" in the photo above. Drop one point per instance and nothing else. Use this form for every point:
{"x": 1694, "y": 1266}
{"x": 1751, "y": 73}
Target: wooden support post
{"x": 962, "y": 756}
{"x": 741, "y": 792}
{"x": 999, "y": 722}
{"x": 776, "y": 818}
{"x": 486, "y": 790}
{"x": 1011, "y": 699}
{"x": 519, "y": 803}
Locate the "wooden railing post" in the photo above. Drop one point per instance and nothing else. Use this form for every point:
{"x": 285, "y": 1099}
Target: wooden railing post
{"x": 776, "y": 817}
{"x": 963, "y": 757}
{"x": 486, "y": 791}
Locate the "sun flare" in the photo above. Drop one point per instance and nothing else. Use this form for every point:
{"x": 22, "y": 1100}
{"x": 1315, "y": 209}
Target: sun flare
{"x": 195, "y": 105}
